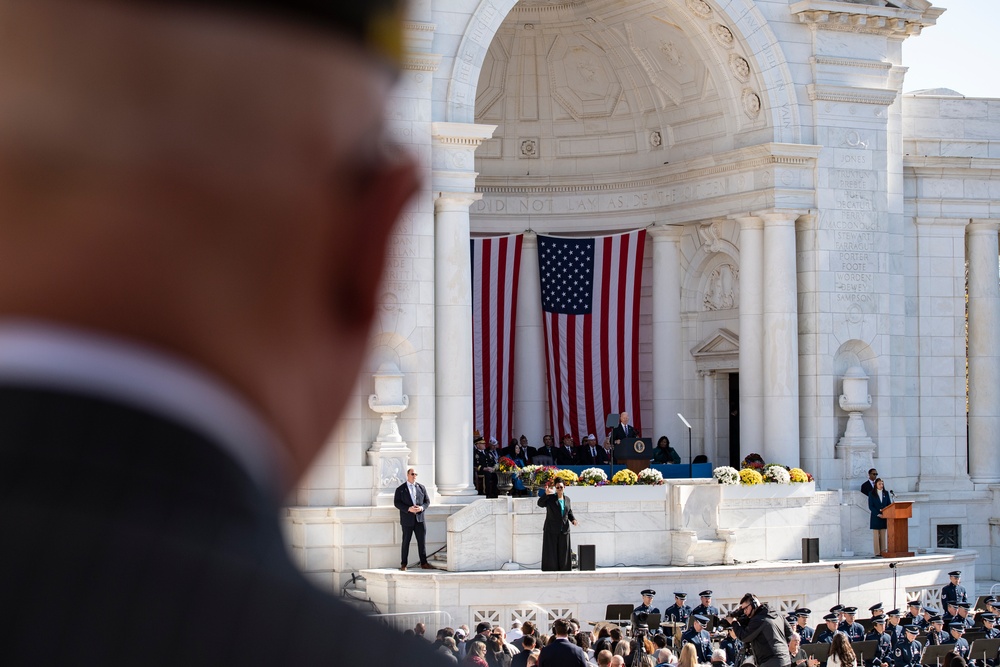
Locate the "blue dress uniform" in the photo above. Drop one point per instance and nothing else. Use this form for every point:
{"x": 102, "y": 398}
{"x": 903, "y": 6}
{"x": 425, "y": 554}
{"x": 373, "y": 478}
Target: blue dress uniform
{"x": 990, "y": 630}
{"x": 963, "y": 615}
{"x": 883, "y": 650}
{"x": 907, "y": 652}
{"x": 956, "y": 638}
{"x": 700, "y": 638}
{"x": 646, "y": 607}
{"x": 854, "y": 630}
{"x": 678, "y": 611}
{"x": 895, "y": 632}
{"x": 802, "y": 624}
{"x": 825, "y": 636}
{"x": 935, "y": 637}
{"x": 955, "y": 590}
{"x": 732, "y": 647}
{"x": 706, "y": 608}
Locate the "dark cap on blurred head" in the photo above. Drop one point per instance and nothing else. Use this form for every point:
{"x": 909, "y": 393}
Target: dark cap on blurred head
{"x": 377, "y": 25}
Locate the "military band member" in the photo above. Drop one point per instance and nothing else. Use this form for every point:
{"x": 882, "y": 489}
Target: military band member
{"x": 926, "y": 614}
{"x": 645, "y": 607}
{"x": 963, "y": 615}
{"x": 935, "y": 632}
{"x": 883, "y": 650}
{"x": 894, "y": 628}
{"x": 876, "y": 610}
{"x": 907, "y": 652}
{"x": 990, "y": 631}
{"x": 838, "y": 609}
{"x": 678, "y": 611}
{"x": 698, "y": 636}
{"x": 802, "y": 624}
{"x": 854, "y": 630}
{"x": 954, "y": 590}
{"x": 912, "y": 613}
{"x": 956, "y": 630}
{"x": 951, "y": 611}
{"x": 706, "y": 608}
{"x": 731, "y": 645}
{"x": 825, "y": 636}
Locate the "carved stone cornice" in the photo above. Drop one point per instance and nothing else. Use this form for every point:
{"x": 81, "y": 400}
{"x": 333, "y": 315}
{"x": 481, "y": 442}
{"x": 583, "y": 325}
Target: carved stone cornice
{"x": 468, "y": 135}
{"x": 851, "y": 94}
{"x": 853, "y": 62}
{"x": 877, "y": 20}
{"x": 421, "y": 62}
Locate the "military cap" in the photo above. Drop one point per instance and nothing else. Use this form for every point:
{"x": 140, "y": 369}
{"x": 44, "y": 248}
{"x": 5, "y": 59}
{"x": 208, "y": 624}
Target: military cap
{"x": 935, "y": 619}
{"x": 932, "y": 610}
{"x": 912, "y": 628}
{"x": 964, "y": 605}
{"x": 894, "y": 613}
{"x": 913, "y": 603}
{"x": 875, "y": 607}
{"x": 804, "y": 611}
{"x": 957, "y": 626}
{"x": 837, "y": 608}
{"x": 682, "y": 596}
{"x": 701, "y": 618}
{"x": 952, "y": 603}
{"x": 830, "y": 617}
{"x": 955, "y": 573}
{"x": 705, "y": 594}
{"x": 988, "y": 617}
{"x": 851, "y": 610}
{"x": 649, "y": 591}
{"x": 880, "y": 619}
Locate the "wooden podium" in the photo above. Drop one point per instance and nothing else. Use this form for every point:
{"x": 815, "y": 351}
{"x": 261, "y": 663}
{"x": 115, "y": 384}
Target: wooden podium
{"x": 896, "y": 515}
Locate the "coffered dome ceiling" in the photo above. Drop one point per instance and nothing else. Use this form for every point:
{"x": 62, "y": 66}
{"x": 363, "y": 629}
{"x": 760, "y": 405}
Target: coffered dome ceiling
{"x": 604, "y": 86}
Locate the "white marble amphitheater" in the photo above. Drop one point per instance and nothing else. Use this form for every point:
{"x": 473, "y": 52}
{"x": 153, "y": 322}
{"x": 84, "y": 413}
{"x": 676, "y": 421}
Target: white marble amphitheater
{"x": 820, "y": 285}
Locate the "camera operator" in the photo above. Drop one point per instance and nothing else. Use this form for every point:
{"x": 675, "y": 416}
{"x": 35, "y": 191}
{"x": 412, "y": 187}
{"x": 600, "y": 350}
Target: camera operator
{"x": 766, "y": 632}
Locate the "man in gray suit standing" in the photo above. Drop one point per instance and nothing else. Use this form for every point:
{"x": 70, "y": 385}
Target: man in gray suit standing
{"x": 411, "y": 500}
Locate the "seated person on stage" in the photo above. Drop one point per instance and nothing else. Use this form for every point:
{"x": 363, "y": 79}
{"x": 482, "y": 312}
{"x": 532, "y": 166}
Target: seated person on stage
{"x": 912, "y": 613}
{"x": 590, "y": 453}
{"x": 877, "y": 610}
{"x": 990, "y": 630}
{"x": 926, "y": 614}
{"x": 883, "y": 651}
{"x": 907, "y": 652}
{"x": 609, "y": 450}
{"x": 963, "y": 614}
{"x": 854, "y": 630}
{"x": 825, "y": 636}
{"x": 701, "y": 458}
{"x": 802, "y": 625}
{"x": 893, "y": 627}
{"x": 935, "y": 632}
{"x": 698, "y": 636}
{"x": 646, "y": 607}
{"x": 732, "y": 645}
{"x": 951, "y": 611}
{"x": 664, "y": 453}
{"x": 679, "y": 611}
{"x": 956, "y": 630}
{"x": 564, "y": 451}
{"x": 547, "y": 453}
{"x": 706, "y": 608}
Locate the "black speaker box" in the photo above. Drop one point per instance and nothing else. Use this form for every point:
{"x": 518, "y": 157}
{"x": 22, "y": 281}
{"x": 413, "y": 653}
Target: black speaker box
{"x": 588, "y": 557}
{"x": 810, "y": 549}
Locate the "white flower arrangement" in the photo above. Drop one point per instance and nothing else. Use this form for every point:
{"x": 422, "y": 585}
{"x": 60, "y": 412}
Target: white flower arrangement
{"x": 650, "y": 476}
{"x": 593, "y": 477}
{"x": 776, "y": 474}
{"x": 726, "y": 475}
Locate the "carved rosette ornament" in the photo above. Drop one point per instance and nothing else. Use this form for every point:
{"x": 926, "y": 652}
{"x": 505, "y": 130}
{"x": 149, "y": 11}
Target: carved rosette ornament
{"x": 723, "y": 35}
{"x": 529, "y": 147}
{"x": 751, "y": 104}
{"x": 700, "y": 8}
{"x": 740, "y": 67}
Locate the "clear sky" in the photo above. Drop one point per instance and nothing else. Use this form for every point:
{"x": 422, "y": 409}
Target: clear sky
{"x": 961, "y": 52}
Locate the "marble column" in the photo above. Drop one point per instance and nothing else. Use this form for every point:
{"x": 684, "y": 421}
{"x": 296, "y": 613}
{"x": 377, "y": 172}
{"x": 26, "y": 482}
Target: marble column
{"x": 781, "y": 341}
{"x": 984, "y": 357}
{"x": 530, "y": 380}
{"x": 454, "y": 179}
{"x": 751, "y": 334}
{"x": 710, "y": 445}
{"x": 668, "y": 381}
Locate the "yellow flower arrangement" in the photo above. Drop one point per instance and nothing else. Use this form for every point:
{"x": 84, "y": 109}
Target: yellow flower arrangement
{"x": 625, "y": 478}
{"x": 798, "y": 475}
{"x": 751, "y": 477}
{"x": 568, "y": 477}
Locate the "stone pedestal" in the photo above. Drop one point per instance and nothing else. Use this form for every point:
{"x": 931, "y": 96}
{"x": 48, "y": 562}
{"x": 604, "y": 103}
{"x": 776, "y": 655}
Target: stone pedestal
{"x": 855, "y": 447}
{"x": 389, "y": 454}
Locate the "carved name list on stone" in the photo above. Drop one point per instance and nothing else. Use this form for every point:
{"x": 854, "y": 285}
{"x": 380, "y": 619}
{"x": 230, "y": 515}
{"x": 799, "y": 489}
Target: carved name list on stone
{"x": 399, "y": 278}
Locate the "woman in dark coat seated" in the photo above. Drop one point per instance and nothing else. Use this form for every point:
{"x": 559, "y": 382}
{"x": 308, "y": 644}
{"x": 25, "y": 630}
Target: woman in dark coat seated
{"x": 664, "y": 453}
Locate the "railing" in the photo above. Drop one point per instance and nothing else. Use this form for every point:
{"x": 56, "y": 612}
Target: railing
{"x": 434, "y": 620}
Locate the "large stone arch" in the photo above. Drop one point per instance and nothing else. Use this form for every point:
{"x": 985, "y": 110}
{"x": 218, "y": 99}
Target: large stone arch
{"x": 742, "y": 18}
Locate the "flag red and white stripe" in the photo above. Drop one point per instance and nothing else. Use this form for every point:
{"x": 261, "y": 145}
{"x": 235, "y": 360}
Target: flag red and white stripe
{"x": 496, "y": 264}
{"x": 590, "y": 303}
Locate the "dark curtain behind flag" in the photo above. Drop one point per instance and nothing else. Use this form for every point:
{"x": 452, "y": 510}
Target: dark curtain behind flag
{"x": 496, "y": 264}
{"x": 590, "y": 304}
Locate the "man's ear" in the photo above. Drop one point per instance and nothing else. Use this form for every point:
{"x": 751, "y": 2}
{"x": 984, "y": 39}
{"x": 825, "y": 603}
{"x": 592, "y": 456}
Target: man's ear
{"x": 361, "y": 261}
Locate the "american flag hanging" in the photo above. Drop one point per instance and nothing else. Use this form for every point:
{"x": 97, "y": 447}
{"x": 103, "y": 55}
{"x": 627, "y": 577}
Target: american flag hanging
{"x": 496, "y": 263}
{"x": 590, "y": 304}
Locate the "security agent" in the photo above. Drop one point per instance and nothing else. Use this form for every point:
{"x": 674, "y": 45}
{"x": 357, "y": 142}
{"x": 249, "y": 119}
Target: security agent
{"x": 706, "y": 608}
{"x": 825, "y": 636}
{"x": 854, "y": 630}
{"x": 954, "y": 590}
{"x": 646, "y": 607}
{"x": 956, "y": 632}
{"x": 767, "y": 632}
{"x": 698, "y": 636}
{"x": 907, "y": 652}
{"x": 883, "y": 651}
{"x": 678, "y": 611}
{"x": 802, "y": 623}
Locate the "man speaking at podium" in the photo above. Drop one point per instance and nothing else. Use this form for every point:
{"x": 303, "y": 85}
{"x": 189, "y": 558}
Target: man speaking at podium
{"x": 623, "y": 430}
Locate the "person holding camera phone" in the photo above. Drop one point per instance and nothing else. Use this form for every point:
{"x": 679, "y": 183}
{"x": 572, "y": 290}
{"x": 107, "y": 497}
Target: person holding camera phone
{"x": 555, "y": 532}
